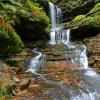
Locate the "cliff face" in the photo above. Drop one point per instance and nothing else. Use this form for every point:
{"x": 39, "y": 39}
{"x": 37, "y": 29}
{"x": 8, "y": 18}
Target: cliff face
{"x": 72, "y": 8}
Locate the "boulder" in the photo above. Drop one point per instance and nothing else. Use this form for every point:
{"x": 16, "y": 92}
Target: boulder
{"x": 10, "y": 42}
{"x": 85, "y": 25}
{"x": 24, "y": 84}
{"x": 26, "y": 17}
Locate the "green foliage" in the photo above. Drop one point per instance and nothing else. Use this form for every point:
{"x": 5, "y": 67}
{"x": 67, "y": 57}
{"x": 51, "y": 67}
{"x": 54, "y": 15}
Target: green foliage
{"x": 27, "y": 9}
{"x": 10, "y": 42}
{"x": 5, "y": 89}
{"x": 10, "y": 12}
{"x": 12, "y": 63}
{"x": 54, "y": 1}
{"x": 37, "y": 12}
{"x": 95, "y": 9}
{"x": 91, "y": 19}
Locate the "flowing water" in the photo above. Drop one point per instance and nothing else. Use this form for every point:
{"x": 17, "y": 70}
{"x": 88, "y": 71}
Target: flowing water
{"x": 54, "y": 77}
{"x": 35, "y": 63}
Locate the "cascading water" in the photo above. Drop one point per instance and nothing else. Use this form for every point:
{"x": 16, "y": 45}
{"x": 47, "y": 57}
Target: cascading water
{"x": 76, "y": 54}
{"x": 53, "y": 15}
{"x": 35, "y": 63}
{"x": 80, "y": 58}
{"x": 56, "y": 35}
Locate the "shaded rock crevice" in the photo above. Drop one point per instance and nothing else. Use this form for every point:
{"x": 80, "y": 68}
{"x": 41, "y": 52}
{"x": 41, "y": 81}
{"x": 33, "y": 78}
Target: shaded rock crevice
{"x": 29, "y": 30}
{"x": 84, "y": 32}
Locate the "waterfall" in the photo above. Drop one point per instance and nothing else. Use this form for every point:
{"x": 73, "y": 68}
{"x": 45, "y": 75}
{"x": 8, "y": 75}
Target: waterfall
{"x": 57, "y": 35}
{"x": 66, "y": 36}
{"x": 35, "y": 63}
{"x": 80, "y": 57}
{"x": 76, "y": 54}
{"x": 53, "y": 15}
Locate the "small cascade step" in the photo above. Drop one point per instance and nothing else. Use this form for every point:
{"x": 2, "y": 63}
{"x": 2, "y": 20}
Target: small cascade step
{"x": 57, "y": 52}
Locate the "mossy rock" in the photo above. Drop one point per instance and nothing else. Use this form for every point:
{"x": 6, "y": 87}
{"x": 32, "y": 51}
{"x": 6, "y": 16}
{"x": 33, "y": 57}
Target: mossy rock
{"x": 10, "y": 42}
{"x": 95, "y": 9}
{"x": 25, "y": 13}
{"x": 90, "y": 19}
{"x": 72, "y": 8}
{"x": 86, "y": 25}
{"x": 78, "y": 18}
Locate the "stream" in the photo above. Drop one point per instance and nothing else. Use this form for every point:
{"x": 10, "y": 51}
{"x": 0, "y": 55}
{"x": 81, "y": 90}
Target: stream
{"x": 62, "y": 71}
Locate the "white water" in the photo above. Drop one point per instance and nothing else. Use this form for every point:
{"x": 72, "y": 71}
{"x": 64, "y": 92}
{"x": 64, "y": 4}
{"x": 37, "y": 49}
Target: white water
{"x": 66, "y": 36}
{"x": 80, "y": 57}
{"x": 53, "y": 15}
{"x": 83, "y": 58}
{"x": 84, "y": 96}
{"x": 57, "y": 35}
{"x": 35, "y": 63}
{"x": 91, "y": 73}
{"x": 52, "y": 38}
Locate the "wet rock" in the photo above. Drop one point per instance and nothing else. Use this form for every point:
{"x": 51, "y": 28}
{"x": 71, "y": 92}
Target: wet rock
{"x": 93, "y": 49}
{"x": 72, "y": 8}
{"x": 35, "y": 90}
{"x": 24, "y": 83}
{"x": 7, "y": 79}
{"x": 7, "y": 70}
{"x": 16, "y": 79}
{"x": 97, "y": 58}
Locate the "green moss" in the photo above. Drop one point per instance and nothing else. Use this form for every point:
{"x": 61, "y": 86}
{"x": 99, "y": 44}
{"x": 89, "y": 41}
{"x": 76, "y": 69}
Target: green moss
{"x": 91, "y": 19}
{"x": 11, "y": 12}
{"x": 10, "y": 42}
{"x": 95, "y": 9}
{"x": 27, "y": 9}
{"x": 80, "y": 17}
{"x": 37, "y": 12}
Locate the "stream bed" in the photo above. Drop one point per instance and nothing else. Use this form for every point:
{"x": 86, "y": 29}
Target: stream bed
{"x": 65, "y": 75}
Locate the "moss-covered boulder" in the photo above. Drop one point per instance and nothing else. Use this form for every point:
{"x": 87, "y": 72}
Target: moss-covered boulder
{"x": 28, "y": 18}
{"x": 24, "y": 18}
{"x": 32, "y": 23}
{"x": 86, "y": 25}
{"x": 10, "y": 42}
{"x": 72, "y": 8}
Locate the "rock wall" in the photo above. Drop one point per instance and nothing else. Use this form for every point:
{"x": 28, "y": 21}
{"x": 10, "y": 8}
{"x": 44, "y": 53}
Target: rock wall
{"x": 72, "y": 8}
{"x": 84, "y": 26}
{"x": 93, "y": 51}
